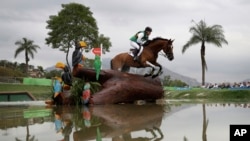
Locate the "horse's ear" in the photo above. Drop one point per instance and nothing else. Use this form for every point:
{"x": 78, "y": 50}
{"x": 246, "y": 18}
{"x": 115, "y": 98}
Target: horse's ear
{"x": 171, "y": 40}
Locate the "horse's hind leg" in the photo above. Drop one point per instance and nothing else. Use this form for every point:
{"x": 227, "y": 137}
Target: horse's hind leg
{"x": 125, "y": 68}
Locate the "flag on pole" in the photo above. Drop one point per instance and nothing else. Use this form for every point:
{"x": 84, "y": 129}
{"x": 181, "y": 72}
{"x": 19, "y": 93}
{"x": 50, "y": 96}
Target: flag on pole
{"x": 101, "y": 54}
{"x": 97, "y": 63}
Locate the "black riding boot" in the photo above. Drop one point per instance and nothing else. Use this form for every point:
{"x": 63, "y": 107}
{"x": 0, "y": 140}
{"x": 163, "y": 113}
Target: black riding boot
{"x": 136, "y": 57}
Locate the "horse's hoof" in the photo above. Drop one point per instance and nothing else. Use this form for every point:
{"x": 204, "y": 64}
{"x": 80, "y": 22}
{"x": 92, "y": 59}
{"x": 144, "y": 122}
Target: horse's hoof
{"x": 153, "y": 76}
{"x": 158, "y": 74}
{"x": 147, "y": 75}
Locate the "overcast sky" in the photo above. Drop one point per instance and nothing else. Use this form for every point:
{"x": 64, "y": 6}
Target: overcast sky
{"x": 119, "y": 20}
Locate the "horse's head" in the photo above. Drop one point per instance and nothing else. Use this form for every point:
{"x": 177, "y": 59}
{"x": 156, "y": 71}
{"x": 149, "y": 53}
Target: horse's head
{"x": 158, "y": 44}
{"x": 168, "y": 49}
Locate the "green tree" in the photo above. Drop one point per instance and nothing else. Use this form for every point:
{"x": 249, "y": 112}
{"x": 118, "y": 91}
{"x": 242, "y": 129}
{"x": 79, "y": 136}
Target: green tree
{"x": 4, "y": 63}
{"x": 167, "y": 81}
{"x": 53, "y": 73}
{"x": 40, "y": 68}
{"x": 205, "y": 34}
{"x": 104, "y": 41}
{"x": 22, "y": 67}
{"x": 28, "y": 47}
{"x": 74, "y": 23}
{"x": 177, "y": 83}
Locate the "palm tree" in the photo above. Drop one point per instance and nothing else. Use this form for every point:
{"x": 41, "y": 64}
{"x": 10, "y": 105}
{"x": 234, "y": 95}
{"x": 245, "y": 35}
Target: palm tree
{"x": 28, "y": 47}
{"x": 205, "y": 34}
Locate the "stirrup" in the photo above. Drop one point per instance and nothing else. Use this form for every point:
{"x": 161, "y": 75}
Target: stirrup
{"x": 136, "y": 58}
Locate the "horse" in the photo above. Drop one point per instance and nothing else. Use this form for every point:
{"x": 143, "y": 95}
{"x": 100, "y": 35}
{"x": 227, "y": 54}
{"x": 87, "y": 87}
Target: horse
{"x": 148, "y": 57}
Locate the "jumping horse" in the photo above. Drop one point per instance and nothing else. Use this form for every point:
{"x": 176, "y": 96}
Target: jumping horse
{"x": 148, "y": 57}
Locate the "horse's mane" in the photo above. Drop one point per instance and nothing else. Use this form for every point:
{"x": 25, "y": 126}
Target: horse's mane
{"x": 153, "y": 40}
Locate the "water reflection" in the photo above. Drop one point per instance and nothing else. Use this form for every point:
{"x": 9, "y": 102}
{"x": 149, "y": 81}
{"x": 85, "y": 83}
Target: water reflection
{"x": 16, "y": 116}
{"x": 119, "y": 121}
{"x": 173, "y": 121}
{"x": 205, "y": 123}
{"x": 63, "y": 122}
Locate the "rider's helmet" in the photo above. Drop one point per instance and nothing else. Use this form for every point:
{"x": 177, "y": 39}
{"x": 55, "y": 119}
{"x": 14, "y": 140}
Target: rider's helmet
{"x": 149, "y": 29}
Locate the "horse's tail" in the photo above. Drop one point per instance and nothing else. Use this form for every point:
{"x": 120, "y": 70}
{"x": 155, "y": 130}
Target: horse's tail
{"x": 114, "y": 65}
{"x": 119, "y": 63}
{"x": 125, "y": 68}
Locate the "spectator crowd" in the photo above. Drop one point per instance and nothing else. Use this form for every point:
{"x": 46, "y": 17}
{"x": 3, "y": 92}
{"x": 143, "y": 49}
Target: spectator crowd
{"x": 227, "y": 85}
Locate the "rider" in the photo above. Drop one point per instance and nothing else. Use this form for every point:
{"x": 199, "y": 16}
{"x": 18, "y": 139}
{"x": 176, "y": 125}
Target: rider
{"x": 138, "y": 40}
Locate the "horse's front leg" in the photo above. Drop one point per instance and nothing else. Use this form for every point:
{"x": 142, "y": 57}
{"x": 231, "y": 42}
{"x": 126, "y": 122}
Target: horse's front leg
{"x": 152, "y": 66}
{"x": 159, "y": 71}
{"x": 151, "y": 72}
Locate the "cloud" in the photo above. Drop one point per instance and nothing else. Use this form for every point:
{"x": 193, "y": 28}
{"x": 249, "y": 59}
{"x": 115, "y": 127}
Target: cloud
{"x": 119, "y": 20}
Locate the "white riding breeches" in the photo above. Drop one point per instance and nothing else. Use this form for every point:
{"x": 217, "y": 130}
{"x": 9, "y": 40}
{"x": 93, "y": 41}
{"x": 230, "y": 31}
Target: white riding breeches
{"x": 136, "y": 46}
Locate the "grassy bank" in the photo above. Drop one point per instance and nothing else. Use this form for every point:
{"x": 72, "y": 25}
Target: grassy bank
{"x": 40, "y": 92}
{"x": 45, "y": 92}
{"x": 209, "y": 94}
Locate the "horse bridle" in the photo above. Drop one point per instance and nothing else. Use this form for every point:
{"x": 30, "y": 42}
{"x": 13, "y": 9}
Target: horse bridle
{"x": 169, "y": 53}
